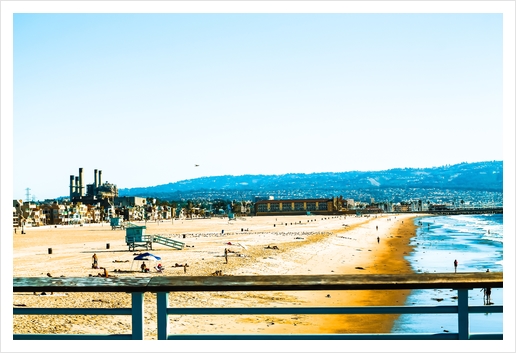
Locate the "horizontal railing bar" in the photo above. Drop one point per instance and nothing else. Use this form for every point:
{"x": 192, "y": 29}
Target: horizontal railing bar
{"x": 344, "y": 336}
{"x": 386, "y": 336}
{"x": 72, "y": 311}
{"x": 34, "y": 336}
{"x": 485, "y": 309}
{"x": 439, "y": 309}
{"x": 465, "y": 280}
{"x": 486, "y": 336}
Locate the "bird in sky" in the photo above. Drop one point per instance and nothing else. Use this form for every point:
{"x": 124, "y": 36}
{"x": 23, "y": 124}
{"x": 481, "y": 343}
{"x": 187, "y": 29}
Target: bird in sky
{"x": 197, "y": 165}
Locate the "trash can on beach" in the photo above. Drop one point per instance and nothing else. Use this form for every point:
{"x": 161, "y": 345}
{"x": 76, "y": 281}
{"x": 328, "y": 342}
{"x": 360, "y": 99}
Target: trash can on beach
{"x": 107, "y": 246}
{"x": 50, "y": 250}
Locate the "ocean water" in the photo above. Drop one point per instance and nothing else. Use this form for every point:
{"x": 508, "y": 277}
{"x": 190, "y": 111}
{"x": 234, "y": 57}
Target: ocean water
{"x": 476, "y": 242}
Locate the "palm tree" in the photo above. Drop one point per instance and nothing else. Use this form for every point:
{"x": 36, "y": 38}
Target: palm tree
{"x": 189, "y": 208}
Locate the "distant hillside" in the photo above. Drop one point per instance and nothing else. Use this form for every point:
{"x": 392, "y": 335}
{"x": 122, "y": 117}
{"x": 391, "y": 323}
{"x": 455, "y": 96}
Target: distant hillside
{"x": 464, "y": 177}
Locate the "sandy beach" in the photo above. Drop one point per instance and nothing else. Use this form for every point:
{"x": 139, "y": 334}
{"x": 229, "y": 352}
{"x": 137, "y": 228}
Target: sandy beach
{"x": 259, "y": 246}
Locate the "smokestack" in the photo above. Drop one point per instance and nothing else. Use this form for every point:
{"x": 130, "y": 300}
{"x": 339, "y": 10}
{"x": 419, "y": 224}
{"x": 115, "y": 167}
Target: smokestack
{"x": 76, "y": 192}
{"x": 95, "y": 185}
{"x": 81, "y": 182}
{"x": 100, "y": 177}
{"x": 72, "y": 187}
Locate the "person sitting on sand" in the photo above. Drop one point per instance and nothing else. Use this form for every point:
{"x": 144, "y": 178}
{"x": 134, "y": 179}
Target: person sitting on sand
{"x": 160, "y": 268}
{"x": 144, "y": 267}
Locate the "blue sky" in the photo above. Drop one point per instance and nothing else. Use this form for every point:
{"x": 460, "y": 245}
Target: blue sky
{"x": 145, "y": 97}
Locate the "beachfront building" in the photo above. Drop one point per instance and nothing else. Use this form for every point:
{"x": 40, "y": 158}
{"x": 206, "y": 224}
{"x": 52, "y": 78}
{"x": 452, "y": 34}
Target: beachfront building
{"x": 401, "y": 207}
{"x": 16, "y": 220}
{"x": 135, "y": 213}
{"x": 58, "y": 213}
{"x": 53, "y": 212}
{"x": 93, "y": 214}
{"x": 130, "y": 201}
{"x": 37, "y": 216}
{"x": 164, "y": 212}
{"x": 295, "y": 207}
{"x": 28, "y": 214}
{"x": 17, "y": 213}
{"x": 407, "y": 206}
{"x": 70, "y": 213}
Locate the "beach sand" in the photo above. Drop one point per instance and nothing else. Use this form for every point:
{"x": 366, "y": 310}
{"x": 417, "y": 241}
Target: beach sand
{"x": 305, "y": 245}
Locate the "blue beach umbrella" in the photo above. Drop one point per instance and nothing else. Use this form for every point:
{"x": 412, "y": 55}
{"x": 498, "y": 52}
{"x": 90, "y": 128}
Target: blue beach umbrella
{"x": 145, "y": 257}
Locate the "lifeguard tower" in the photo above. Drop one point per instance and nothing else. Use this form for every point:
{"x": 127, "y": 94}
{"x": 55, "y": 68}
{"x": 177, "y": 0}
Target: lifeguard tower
{"x": 135, "y": 237}
{"x": 116, "y": 222}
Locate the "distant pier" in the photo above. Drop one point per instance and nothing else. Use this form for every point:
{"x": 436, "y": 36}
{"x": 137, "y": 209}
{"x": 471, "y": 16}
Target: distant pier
{"x": 491, "y": 210}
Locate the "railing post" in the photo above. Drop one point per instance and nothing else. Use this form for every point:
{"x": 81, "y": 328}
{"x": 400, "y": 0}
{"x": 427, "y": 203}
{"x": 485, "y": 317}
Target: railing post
{"x": 463, "y": 316}
{"x": 137, "y": 315}
{"x": 162, "y": 306}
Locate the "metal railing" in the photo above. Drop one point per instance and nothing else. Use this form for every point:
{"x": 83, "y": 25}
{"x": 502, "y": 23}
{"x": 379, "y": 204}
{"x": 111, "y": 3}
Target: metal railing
{"x": 162, "y": 286}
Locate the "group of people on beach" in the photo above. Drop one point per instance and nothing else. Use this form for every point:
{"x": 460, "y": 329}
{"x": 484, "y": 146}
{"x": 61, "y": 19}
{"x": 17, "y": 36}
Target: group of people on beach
{"x": 487, "y": 291}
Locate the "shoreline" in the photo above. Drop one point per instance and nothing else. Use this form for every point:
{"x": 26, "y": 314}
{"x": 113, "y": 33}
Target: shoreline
{"x": 306, "y": 245}
{"x": 389, "y": 259}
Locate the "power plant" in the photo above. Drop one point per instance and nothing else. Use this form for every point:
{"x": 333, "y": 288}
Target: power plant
{"x": 91, "y": 193}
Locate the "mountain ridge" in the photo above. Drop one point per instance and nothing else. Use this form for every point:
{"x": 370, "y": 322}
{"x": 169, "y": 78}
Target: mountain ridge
{"x": 476, "y": 177}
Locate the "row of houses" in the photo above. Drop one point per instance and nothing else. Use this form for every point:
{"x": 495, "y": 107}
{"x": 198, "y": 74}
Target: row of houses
{"x": 33, "y": 214}
{"x": 140, "y": 209}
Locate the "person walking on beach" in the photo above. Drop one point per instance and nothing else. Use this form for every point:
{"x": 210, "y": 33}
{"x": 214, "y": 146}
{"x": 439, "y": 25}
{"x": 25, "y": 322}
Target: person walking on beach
{"x": 185, "y": 266}
{"x": 226, "y": 254}
{"x": 378, "y": 239}
{"x": 95, "y": 261}
{"x": 487, "y": 294}
{"x": 455, "y": 264}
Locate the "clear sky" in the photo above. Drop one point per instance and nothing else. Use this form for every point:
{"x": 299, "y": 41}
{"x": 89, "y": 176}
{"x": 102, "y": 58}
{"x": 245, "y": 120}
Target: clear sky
{"x": 146, "y": 97}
